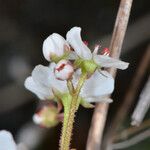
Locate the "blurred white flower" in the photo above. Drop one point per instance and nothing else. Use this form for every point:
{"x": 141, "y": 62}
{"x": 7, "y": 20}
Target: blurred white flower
{"x": 75, "y": 40}
{"x": 43, "y": 81}
{"x": 7, "y": 142}
{"x": 54, "y": 46}
{"x": 64, "y": 70}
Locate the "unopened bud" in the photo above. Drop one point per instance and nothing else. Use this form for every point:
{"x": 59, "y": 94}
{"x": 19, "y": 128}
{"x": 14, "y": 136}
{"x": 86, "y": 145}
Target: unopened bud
{"x": 64, "y": 70}
{"x": 55, "y": 46}
{"x": 46, "y": 117}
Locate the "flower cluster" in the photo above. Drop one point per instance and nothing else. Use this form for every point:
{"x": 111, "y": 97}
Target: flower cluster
{"x": 69, "y": 60}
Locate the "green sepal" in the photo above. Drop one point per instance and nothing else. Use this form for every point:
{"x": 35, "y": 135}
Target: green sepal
{"x": 66, "y": 101}
{"x": 86, "y": 104}
{"x": 87, "y": 66}
{"x": 56, "y": 59}
{"x": 50, "y": 117}
{"x": 78, "y": 63}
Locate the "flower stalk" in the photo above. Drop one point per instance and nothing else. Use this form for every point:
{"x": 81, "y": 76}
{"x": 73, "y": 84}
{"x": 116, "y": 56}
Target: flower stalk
{"x": 69, "y": 115}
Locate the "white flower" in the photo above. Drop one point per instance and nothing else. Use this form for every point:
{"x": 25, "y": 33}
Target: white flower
{"x": 54, "y": 46}
{"x": 64, "y": 70}
{"x": 74, "y": 39}
{"x": 43, "y": 81}
{"x": 7, "y": 142}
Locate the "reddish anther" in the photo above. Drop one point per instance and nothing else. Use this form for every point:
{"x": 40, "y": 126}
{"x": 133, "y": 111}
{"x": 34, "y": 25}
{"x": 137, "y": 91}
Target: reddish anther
{"x": 86, "y": 43}
{"x": 105, "y": 51}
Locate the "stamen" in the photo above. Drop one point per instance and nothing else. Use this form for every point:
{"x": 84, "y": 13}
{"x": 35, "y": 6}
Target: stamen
{"x": 105, "y": 51}
{"x": 86, "y": 43}
{"x": 96, "y": 49}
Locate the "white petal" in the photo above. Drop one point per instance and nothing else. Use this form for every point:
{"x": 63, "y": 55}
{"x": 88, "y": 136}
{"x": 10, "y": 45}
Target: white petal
{"x": 54, "y": 44}
{"x": 74, "y": 38}
{"x": 43, "y": 81}
{"x": 57, "y": 84}
{"x": 41, "y": 91}
{"x": 99, "y": 84}
{"x": 99, "y": 99}
{"x": 42, "y": 75}
{"x": 72, "y": 55}
{"x": 105, "y": 61}
{"x": 6, "y": 141}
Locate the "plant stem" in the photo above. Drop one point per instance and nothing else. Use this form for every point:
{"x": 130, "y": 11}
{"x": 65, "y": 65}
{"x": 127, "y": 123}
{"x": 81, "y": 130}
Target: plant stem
{"x": 95, "y": 134}
{"x": 69, "y": 115}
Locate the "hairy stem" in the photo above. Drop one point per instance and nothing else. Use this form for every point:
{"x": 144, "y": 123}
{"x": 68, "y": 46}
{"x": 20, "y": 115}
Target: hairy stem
{"x": 69, "y": 115}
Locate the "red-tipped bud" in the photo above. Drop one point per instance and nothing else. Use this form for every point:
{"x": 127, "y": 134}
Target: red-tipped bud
{"x": 64, "y": 70}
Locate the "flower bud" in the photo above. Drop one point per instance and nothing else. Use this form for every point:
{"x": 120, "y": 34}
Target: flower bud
{"x": 54, "y": 47}
{"x": 64, "y": 70}
{"x": 46, "y": 117}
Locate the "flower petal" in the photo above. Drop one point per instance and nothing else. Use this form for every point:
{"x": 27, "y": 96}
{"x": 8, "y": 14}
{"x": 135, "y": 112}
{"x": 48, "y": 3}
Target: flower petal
{"x": 6, "y": 141}
{"x": 105, "y": 61}
{"x": 99, "y": 84}
{"x": 43, "y": 81}
{"x": 74, "y": 38}
{"x": 42, "y": 75}
{"x": 72, "y": 55}
{"x": 54, "y": 45}
{"x": 41, "y": 91}
{"x": 99, "y": 99}
{"x": 45, "y": 76}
